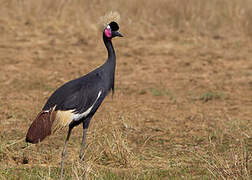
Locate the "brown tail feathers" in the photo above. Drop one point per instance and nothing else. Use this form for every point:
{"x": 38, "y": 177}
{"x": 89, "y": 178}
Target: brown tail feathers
{"x": 41, "y": 127}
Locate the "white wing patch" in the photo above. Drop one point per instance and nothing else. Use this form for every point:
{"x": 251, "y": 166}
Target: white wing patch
{"x": 64, "y": 118}
{"x": 77, "y": 117}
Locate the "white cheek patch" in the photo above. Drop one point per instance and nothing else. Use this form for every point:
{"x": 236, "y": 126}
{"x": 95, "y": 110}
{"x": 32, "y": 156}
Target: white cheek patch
{"x": 108, "y": 32}
{"x": 77, "y": 117}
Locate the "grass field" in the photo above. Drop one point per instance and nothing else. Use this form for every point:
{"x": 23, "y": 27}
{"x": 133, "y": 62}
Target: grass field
{"x": 182, "y": 106}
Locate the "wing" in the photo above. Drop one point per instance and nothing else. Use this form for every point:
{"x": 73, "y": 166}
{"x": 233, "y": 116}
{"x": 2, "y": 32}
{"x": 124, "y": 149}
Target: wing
{"x": 82, "y": 100}
{"x": 77, "y": 95}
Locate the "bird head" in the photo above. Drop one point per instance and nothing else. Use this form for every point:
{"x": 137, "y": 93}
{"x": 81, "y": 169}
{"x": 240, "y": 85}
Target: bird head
{"x": 111, "y": 30}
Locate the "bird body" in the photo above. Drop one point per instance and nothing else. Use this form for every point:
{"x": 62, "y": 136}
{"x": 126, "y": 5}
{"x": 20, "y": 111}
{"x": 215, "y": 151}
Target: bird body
{"x": 77, "y": 101}
{"x": 72, "y": 102}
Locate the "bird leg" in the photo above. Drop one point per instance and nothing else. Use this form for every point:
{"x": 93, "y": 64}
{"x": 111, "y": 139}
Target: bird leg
{"x": 83, "y": 143}
{"x": 64, "y": 152}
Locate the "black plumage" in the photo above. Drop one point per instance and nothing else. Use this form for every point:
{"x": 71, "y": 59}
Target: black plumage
{"x": 79, "y": 93}
{"x": 77, "y": 101}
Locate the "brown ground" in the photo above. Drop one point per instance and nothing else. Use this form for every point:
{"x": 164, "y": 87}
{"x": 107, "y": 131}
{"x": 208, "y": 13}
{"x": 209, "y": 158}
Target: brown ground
{"x": 183, "y": 93}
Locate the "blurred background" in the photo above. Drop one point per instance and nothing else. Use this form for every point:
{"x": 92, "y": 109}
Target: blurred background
{"x": 183, "y": 89}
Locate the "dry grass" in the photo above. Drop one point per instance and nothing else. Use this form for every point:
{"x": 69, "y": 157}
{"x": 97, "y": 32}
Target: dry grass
{"x": 182, "y": 106}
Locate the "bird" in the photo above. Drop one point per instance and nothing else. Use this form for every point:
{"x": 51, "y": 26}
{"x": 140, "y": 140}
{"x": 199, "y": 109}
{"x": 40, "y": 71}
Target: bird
{"x": 76, "y": 101}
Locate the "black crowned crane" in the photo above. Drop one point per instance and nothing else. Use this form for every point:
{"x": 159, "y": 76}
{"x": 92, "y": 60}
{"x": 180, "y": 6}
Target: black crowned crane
{"x": 77, "y": 101}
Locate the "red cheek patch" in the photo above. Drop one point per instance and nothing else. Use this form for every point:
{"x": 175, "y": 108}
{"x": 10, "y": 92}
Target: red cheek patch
{"x": 107, "y": 33}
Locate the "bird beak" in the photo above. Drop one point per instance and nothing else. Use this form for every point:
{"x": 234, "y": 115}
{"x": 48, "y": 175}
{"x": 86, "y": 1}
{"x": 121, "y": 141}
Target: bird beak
{"x": 118, "y": 34}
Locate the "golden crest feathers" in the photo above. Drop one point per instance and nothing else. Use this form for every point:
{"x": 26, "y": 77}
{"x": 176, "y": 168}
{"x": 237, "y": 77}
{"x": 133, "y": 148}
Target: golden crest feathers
{"x": 105, "y": 20}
